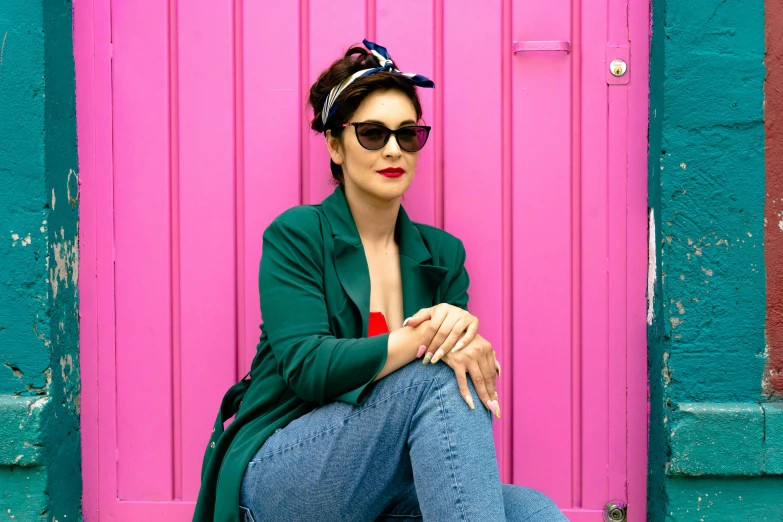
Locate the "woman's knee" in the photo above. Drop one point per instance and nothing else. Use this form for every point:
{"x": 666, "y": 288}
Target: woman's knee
{"x": 528, "y": 504}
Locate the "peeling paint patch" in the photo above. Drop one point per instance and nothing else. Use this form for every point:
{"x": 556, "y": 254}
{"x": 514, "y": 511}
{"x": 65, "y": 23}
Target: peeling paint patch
{"x": 16, "y": 239}
{"x": 651, "y": 267}
{"x": 72, "y": 199}
{"x": 66, "y": 263}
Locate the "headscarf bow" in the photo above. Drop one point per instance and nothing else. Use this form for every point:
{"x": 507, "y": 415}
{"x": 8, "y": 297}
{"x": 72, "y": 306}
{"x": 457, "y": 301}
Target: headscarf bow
{"x": 386, "y": 65}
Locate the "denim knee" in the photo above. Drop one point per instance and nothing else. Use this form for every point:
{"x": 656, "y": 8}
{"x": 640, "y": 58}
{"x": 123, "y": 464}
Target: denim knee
{"x": 528, "y": 504}
{"x": 440, "y": 372}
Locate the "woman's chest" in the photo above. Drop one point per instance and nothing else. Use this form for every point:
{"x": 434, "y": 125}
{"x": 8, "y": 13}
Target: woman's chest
{"x": 386, "y": 286}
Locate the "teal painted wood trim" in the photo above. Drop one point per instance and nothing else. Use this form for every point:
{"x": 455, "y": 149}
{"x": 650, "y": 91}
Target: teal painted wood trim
{"x": 726, "y": 439}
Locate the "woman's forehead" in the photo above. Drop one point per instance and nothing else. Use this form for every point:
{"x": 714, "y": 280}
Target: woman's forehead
{"x": 391, "y": 108}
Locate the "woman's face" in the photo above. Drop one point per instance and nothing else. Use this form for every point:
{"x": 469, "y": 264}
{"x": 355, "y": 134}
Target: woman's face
{"x": 363, "y": 168}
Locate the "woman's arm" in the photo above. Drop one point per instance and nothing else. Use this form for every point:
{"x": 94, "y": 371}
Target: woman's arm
{"x": 315, "y": 364}
{"x": 403, "y": 344}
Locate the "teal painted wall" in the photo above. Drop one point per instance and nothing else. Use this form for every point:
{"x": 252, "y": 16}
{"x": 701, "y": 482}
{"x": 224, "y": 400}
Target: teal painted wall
{"x": 40, "y": 476}
{"x": 712, "y": 452}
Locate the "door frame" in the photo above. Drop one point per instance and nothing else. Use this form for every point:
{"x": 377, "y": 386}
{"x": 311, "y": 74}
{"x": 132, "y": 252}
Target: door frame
{"x": 93, "y": 53}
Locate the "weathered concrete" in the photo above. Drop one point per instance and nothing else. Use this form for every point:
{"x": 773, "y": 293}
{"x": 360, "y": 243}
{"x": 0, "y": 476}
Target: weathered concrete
{"x": 773, "y": 439}
{"x": 707, "y": 334}
{"x": 716, "y": 439}
{"x": 725, "y": 499}
{"x": 39, "y": 385}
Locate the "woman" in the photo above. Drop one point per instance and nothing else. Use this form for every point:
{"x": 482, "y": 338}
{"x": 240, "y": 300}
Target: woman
{"x": 335, "y": 422}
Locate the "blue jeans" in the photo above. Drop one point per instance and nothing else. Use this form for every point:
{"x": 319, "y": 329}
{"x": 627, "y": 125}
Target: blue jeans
{"x": 413, "y": 450}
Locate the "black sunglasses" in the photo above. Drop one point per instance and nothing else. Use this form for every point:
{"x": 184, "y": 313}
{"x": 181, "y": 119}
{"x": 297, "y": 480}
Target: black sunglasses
{"x": 373, "y": 136}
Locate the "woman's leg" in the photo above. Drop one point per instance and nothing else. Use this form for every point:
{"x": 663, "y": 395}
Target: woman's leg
{"x": 342, "y": 462}
{"x": 529, "y": 505}
{"x": 520, "y": 503}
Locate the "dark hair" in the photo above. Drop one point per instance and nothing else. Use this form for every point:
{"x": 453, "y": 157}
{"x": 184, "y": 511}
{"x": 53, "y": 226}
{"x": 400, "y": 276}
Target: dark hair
{"x": 356, "y": 58}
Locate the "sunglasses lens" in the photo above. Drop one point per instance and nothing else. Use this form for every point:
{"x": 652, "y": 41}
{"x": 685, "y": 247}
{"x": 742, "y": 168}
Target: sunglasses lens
{"x": 374, "y": 137}
{"x": 371, "y": 136}
{"x": 412, "y": 139}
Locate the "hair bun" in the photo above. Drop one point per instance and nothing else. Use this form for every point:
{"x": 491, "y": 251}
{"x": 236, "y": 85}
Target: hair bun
{"x": 355, "y": 59}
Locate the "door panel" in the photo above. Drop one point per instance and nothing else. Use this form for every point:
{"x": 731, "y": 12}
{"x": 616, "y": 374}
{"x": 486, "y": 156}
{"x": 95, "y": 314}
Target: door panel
{"x": 210, "y": 140}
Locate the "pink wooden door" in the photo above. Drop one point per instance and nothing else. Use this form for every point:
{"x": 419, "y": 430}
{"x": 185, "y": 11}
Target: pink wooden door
{"x": 193, "y": 137}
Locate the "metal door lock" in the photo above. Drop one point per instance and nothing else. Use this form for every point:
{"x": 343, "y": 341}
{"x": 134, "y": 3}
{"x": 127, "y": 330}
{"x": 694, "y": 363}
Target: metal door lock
{"x": 615, "y": 511}
{"x": 618, "y": 67}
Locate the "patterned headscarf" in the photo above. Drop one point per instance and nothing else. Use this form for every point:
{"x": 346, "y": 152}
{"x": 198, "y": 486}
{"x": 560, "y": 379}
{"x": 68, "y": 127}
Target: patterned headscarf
{"x": 386, "y": 64}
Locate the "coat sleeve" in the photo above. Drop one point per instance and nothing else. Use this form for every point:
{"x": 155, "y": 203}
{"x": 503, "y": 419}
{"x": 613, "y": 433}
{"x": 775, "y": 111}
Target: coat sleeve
{"x": 456, "y": 292}
{"x": 317, "y": 366}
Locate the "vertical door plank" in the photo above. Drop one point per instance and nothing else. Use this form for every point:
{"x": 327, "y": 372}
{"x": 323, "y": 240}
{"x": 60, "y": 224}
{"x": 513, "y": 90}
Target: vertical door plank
{"x": 273, "y": 105}
{"x": 542, "y": 252}
{"x": 206, "y": 227}
{"x": 617, "y": 136}
{"x": 334, "y": 25}
{"x": 143, "y": 249}
{"x": 473, "y": 172}
{"x": 595, "y": 259}
{"x": 407, "y": 29}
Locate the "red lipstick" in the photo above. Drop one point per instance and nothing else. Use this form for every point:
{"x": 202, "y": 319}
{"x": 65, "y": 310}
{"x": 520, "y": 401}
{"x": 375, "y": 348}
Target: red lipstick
{"x": 392, "y": 172}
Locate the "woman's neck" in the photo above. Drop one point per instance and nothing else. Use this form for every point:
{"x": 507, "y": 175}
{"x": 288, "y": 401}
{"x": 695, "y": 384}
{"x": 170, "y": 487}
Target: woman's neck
{"x": 375, "y": 218}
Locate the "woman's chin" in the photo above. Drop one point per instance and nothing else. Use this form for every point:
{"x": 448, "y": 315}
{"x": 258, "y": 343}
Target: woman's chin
{"x": 391, "y": 188}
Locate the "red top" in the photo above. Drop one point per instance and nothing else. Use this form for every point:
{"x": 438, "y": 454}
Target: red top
{"x": 377, "y": 324}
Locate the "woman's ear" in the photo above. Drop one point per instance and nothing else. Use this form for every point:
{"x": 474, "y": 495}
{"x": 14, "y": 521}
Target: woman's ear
{"x": 334, "y": 147}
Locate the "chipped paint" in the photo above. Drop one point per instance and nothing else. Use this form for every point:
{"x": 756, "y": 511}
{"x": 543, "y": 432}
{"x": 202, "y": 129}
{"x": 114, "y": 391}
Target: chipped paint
{"x": 66, "y": 263}
{"x": 651, "y": 267}
{"x": 711, "y": 221}
{"x": 39, "y": 396}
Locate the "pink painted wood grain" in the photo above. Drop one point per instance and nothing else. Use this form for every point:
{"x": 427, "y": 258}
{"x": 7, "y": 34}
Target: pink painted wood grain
{"x": 140, "y": 77}
{"x": 473, "y": 178}
{"x": 189, "y": 147}
{"x": 206, "y": 270}
{"x": 542, "y": 253}
{"x": 273, "y": 168}
{"x": 328, "y": 41}
{"x": 636, "y": 262}
{"x": 406, "y": 27}
{"x": 595, "y": 258}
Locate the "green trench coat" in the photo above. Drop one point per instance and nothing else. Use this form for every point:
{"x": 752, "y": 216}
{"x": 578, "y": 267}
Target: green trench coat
{"x": 314, "y": 287}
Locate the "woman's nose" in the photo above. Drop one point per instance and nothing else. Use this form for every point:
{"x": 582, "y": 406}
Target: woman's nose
{"x": 392, "y": 148}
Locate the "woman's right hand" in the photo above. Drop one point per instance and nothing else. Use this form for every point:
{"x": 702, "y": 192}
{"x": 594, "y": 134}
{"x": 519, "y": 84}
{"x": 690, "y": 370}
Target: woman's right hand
{"x": 478, "y": 360}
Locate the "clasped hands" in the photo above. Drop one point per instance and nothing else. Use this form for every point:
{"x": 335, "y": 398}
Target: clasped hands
{"x": 452, "y": 336}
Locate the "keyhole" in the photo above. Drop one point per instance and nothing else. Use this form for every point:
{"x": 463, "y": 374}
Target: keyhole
{"x": 618, "y": 67}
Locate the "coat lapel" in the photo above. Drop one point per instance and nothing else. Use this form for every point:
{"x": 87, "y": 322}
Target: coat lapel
{"x": 420, "y": 278}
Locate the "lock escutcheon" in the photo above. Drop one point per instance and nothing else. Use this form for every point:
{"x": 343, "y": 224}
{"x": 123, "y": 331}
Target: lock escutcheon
{"x": 618, "y": 67}
{"x": 615, "y": 511}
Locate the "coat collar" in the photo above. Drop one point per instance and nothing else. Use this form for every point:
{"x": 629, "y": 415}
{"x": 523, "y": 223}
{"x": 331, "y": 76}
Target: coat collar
{"x": 420, "y": 278}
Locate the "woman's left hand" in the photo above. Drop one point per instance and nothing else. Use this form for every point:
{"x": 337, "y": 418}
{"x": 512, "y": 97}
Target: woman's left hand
{"x": 450, "y": 329}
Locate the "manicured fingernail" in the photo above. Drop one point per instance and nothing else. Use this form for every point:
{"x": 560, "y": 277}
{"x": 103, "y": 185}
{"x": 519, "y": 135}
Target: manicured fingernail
{"x": 497, "y": 409}
{"x": 405, "y": 322}
{"x": 422, "y": 349}
{"x": 469, "y": 400}
{"x": 427, "y": 358}
{"x": 458, "y": 346}
{"x": 492, "y": 407}
{"x": 437, "y": 357}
